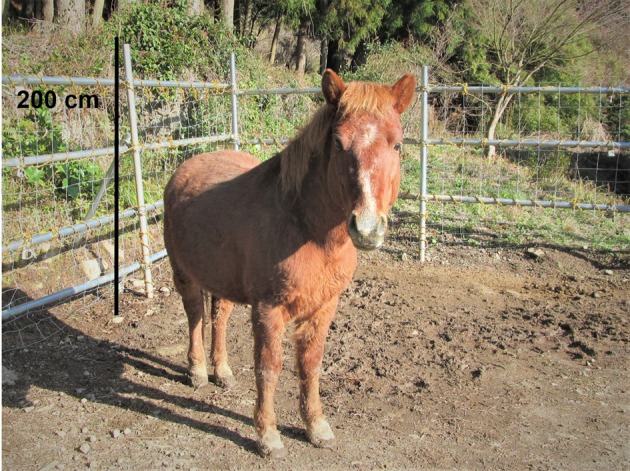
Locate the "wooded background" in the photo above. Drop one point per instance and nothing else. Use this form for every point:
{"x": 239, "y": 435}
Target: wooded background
{"x": 493, "y": 42}
{"x": 483, "y": 40}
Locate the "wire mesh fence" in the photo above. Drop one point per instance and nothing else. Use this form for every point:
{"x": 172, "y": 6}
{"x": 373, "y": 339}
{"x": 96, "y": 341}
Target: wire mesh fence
{"x": 555, "y": 148}
{"x": 174, "y": 123}
{"x": 52, "y": 174}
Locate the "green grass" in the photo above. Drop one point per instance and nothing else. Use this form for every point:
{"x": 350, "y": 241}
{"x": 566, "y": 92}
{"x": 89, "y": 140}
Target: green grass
{"x": 458, "y": 172}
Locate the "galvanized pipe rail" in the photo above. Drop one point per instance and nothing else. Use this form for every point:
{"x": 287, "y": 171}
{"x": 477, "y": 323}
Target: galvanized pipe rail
{"x": 518, "y": 202}
{"x": 75, "y": 229}
{"x": 87, "y": 82}
{"x": 83, "y": 287}
{"x": 513, "y": 89}
{"x": 529, "y": 143}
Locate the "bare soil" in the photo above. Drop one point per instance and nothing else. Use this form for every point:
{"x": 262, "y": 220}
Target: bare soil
{"x": 490, "y": 358}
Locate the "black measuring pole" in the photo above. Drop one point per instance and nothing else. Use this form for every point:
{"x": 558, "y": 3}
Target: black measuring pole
{"x": 116, "y": 170}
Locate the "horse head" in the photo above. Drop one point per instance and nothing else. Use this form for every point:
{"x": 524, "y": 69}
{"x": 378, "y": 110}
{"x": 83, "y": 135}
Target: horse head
{"x": 364, "y": 168}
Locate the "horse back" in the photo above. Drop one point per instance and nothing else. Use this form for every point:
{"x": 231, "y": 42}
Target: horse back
{"x": 204, "y": 171}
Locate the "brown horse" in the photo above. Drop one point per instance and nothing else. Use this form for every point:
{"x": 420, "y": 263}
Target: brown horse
{"x": 282, "y": 236}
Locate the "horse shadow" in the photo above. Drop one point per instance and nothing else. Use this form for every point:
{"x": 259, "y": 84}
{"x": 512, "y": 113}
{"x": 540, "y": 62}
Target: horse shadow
{"x": 78, "y": 365}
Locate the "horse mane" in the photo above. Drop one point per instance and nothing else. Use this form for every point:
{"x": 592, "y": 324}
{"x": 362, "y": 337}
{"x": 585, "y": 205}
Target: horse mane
{"x": 366, "y": 97}
{"x": 311, "y": 142}
{"x": 296, "y": 157}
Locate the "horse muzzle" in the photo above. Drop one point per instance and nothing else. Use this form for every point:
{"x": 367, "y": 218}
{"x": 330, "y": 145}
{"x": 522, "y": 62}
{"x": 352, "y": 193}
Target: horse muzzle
{"x": 367, "y": 230}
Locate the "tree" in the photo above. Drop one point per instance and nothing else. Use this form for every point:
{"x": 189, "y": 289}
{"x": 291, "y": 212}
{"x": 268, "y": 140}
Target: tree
{"x": 406, "y": 19}
{"x": 97, "y": 14}
{"x": 300, "y": 48}
{"x": 71, "y": 15}
{"x": 276, "y": 37}
{"x": 227, "y": 13}
{"x": 520, "y": 38}
{"x": 344, "y": 25}
{"x": 195, "y": 7}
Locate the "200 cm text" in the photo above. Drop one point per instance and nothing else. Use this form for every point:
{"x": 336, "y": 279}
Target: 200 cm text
{"x": 39, "y": 99}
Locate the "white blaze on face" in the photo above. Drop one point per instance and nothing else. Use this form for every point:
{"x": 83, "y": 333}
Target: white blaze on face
{"x": 365, "y": 180}
{"x": 369, "y": 135}
{"x": 365, "y": 175}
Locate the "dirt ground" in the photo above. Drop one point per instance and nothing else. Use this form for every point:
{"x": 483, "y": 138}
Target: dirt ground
{"x": 483, "y": 358}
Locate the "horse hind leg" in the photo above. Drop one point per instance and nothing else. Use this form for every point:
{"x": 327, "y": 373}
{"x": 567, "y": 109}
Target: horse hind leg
{"x": 221, "y": 310}
{"x": 194, "y": 305}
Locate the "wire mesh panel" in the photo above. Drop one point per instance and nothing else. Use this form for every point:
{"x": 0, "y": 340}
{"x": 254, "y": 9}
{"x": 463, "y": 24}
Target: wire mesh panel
{"x": 553, "y": 150}
{"x": 174, "y": 124}
{"x": 57, "y": 147}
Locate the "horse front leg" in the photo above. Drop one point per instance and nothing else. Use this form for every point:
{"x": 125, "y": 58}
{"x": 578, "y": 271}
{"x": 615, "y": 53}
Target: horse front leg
{"x": 310, "y": 335}
{"x": 269, "y": 326}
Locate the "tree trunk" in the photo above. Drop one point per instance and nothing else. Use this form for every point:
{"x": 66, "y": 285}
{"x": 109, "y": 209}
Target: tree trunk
{"x": 300, "y": 49}
{"x": 5, "y": 11}
{"x": 227, "y": 13}
{"x": 360, "y": 55}
{"x": 195, "y": 7}
{"x": 323, "y": 55}
{"x": 324, "y": 10}
{"x": 499, "y": 109}
{"x": 48, "y": 10}
{"x": 276, "y": 36}
{"x": 334, "y": 56}
{"x": 71, "y": 15}
{"x": 247, "y": 22}
{"x": 28, "y": 10}
{"x": 97, "y": 14}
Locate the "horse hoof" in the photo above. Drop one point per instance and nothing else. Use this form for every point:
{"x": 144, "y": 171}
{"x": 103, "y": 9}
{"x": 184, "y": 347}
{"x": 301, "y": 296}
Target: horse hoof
{"x": 320, "y": 434}
{"x": 225, "y": 382}
{"x": 270, "y": 445}
{"x": 198, "y": 380}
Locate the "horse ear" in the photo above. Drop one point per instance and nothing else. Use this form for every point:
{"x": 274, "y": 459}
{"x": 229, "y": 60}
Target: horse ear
{"x": 333, "y": 87}
{"x": 403, "y": 91}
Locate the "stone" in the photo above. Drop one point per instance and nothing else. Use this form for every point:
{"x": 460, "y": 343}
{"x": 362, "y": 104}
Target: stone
{"x": 534, "y": 253}
{"x": 92, "y": 268}
{"x": 9, "y": 377}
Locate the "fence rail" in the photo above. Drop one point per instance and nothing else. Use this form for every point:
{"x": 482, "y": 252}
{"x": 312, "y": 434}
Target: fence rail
{"x": 160, "y": 128}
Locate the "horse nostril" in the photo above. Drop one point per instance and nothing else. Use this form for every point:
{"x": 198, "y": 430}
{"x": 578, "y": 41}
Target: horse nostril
{"x": 352, "y": 223}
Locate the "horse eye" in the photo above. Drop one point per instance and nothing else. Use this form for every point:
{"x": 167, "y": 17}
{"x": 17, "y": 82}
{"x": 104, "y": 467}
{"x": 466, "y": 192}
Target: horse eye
{"x": 338, "y": 144}
{"x": 397, "y": 147}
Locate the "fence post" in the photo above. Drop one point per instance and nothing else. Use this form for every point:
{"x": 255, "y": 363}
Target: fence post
{"x": 424, "y": 140}
{"x": 137, "y": 166}
{"x": 234, "y": 101}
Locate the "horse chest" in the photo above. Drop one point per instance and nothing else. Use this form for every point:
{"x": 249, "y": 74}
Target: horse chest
{"x": 314, "y": 277}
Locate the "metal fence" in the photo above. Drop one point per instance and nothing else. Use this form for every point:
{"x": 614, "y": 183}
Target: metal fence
{"x": 58, "y": 205}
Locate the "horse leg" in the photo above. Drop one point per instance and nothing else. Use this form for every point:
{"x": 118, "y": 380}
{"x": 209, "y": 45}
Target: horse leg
{"x": 193, "y": 299}
{"x": 310, "y": 335}
{"x": 221, "y": 309}
{"x": 268, "y": 325}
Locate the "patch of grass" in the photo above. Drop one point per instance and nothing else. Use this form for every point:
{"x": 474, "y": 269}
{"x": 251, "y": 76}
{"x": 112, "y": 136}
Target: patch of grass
{"x": 460, "y": 172}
